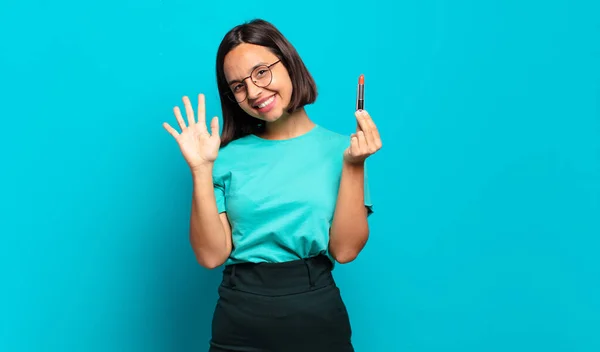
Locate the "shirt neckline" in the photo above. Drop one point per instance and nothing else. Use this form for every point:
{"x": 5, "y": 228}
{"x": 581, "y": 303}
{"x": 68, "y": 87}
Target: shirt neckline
{"x": 306, "y": 134}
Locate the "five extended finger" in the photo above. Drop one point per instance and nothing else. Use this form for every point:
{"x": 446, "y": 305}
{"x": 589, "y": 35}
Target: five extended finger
{"x": 202, "y": 110}
{"x": 189, "y": 111}
{"x": 171, "y": 130}
{"x": 179, "y": 118}
{"x": 214, "y": 127}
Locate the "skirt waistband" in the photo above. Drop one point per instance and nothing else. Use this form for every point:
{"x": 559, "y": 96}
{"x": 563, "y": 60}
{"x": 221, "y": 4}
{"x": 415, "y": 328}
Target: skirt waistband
{"x": 276, "y": 279}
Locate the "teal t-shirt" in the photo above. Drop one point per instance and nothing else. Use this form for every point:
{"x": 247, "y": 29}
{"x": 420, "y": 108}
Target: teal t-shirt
{"x": 280, "y": 195}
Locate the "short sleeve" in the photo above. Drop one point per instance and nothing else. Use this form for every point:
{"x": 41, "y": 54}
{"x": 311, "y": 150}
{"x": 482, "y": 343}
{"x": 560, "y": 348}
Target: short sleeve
{"x": 219, "y": 189}
{"x": 367, "y": 193}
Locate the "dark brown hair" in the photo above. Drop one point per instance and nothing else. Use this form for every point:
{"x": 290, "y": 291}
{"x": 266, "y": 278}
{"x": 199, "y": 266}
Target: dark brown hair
{"x": 236, "y": 122}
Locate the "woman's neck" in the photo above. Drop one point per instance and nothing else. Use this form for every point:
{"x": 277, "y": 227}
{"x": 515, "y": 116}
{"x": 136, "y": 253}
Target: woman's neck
{"x": 289, "y": 126}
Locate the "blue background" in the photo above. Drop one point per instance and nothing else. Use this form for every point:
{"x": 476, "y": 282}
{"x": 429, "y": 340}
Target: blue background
{"x": 487, "y": 189}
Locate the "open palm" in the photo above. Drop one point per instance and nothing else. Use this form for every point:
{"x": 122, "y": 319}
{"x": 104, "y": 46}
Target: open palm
{"x": 198, "y": 146}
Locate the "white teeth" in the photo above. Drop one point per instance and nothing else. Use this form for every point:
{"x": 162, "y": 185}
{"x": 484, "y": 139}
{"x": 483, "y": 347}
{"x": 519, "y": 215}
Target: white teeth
{"x": 266, "y": 102}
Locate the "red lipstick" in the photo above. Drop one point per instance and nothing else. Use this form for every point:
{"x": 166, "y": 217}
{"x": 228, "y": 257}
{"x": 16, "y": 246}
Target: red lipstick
{"x": 360, "y": 93}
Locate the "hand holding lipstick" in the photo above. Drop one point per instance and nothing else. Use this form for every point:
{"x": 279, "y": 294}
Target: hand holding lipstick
{"x": 366, "y": 141}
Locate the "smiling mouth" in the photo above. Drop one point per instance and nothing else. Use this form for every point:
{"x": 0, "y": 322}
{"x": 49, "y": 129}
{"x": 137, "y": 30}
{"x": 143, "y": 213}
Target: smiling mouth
{"x": 265, "y": 102}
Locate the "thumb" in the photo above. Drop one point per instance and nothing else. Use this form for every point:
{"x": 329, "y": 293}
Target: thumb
{"x": 353, "y": 143}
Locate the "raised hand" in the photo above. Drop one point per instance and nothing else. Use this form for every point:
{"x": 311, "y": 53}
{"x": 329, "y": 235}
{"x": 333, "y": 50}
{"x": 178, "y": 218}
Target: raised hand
{"x": 198, "y": 146}
{"x": 365, "y": 142}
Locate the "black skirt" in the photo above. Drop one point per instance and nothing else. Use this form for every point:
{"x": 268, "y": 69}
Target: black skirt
{"x": 280, "y": 307}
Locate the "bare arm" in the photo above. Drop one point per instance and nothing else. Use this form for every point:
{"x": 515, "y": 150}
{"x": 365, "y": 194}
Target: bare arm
{"x": 350, "y": 230}
{"x": 210, "y": 232}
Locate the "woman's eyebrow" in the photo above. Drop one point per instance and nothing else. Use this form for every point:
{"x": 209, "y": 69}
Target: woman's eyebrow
{"x": 262, "y": 63}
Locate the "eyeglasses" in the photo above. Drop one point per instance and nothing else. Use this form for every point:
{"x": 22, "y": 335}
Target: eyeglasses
{"x": 261, "y": 76}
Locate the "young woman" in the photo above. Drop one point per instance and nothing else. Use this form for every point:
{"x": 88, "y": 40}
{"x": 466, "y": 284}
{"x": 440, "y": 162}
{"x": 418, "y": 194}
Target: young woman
{"x": 277, "y": 199}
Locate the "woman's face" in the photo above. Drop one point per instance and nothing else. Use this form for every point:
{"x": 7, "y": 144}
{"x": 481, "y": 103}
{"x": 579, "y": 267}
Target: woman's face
{"x": 263, "y": 100}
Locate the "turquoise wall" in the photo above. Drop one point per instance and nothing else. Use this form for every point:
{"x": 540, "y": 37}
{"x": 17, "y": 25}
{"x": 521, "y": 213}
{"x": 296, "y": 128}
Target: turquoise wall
{"x": 487, "y": 189}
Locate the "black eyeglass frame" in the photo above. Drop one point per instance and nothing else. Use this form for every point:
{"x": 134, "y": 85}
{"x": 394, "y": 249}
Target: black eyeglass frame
{"x": 231, "y": 95}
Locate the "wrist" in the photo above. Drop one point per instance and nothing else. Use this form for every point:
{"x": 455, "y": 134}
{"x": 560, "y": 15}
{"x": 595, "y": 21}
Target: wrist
{"x": 202, "y": 169}
{"x": 354, "y": 165}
